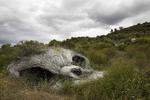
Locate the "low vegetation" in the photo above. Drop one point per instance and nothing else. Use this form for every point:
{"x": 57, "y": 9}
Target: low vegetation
{"x": 124, "y": 54}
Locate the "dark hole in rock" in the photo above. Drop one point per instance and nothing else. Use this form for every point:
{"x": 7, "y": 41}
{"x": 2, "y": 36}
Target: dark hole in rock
{"x": 78, "y": 60}
{"x": 37, "y": 74}
{"x": 76, "y": 71}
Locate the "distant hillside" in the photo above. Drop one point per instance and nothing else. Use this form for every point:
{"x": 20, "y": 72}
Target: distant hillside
{"x": 143, "y": 28}
{"x": 119, "y": 35}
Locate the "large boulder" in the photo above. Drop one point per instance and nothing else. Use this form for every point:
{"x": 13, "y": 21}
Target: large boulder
{"x": 56, "y": 61}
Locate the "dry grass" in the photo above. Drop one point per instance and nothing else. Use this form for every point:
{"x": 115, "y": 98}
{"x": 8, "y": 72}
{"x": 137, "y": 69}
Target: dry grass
{"x": 13, "y": 89}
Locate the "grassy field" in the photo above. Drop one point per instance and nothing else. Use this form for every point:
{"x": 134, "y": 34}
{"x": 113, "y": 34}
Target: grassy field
{"x": 124, "y": 54}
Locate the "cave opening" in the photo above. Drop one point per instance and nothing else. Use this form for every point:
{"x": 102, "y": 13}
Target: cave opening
{"x": 78, "y": 60}
{"x": 37, "y": 74}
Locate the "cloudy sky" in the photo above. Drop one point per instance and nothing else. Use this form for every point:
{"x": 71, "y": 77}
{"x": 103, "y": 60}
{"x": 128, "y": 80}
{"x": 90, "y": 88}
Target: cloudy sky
{"x": 44, "y": 20}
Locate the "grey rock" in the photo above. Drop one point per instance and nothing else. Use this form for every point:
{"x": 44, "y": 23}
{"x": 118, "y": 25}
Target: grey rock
{"x": 58, "y": 61}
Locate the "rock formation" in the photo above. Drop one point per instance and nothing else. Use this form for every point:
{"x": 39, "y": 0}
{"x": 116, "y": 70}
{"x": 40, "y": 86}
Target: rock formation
{"x": 56, "y": 61}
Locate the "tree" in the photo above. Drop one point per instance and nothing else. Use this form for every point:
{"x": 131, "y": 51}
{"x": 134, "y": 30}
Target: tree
{"x": 30, "y": 47}
{"x": 115, "y": 30}
{"x": 54, "y": 43}
{"x": 111, "y": 31}
{"x": 120, "y": 28}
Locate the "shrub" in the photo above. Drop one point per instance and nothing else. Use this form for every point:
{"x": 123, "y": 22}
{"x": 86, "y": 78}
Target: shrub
{"x": 54, "y": 43}
{"x": 29, "y": 48}
{"x": 7, "y": 55}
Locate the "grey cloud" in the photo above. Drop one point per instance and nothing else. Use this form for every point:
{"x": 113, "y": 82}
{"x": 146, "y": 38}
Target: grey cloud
{"x": 60, "y": 20}
{"x": 44, "y": 20}
{"x": 15, "y": 24}
{"x": 3, "y": 41}
{"x": 123, "y": 11}
{"x": 75, "y": 5}
{"x": 13, "y": 29}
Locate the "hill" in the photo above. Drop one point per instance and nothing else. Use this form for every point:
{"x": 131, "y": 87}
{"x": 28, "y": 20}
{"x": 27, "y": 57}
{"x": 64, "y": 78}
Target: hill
{"x": 124, "y": 54}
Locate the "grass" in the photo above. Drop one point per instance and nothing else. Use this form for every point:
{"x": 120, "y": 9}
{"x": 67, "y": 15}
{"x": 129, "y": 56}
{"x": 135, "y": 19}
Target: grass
{"x": 126, "y": 63}
{"x": 18, "y": 89}
{"x": 120, "y": 83}
{"x": 127, "y": 78}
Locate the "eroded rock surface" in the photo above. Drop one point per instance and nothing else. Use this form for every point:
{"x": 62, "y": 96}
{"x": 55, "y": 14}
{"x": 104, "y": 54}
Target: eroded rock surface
{"x": 57, "y": 61}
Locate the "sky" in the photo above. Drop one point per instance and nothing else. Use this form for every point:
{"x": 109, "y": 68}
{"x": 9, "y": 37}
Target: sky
{"x": 45, "y": 20}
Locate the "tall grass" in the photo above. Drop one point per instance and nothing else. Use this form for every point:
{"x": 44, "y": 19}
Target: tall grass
{"x": 120, "y": 83}
{"x": 18, "y": 89}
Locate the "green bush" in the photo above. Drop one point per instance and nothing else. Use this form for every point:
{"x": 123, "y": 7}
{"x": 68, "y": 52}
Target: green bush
{"x": 7, "y": 55}
{"x": 29, "y": 48}
{"x": 54, "y": 43}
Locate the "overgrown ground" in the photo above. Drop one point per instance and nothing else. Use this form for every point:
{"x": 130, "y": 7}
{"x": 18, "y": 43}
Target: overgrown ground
{"x": 124, "y": 54}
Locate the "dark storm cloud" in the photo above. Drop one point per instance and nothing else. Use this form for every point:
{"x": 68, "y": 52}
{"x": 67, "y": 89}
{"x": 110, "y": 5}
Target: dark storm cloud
{"x": 109, "y": 16}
